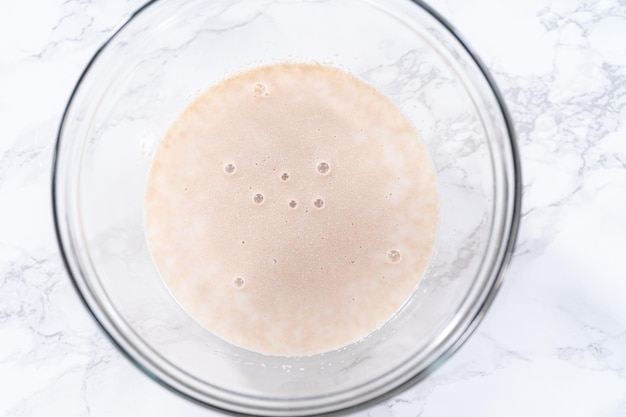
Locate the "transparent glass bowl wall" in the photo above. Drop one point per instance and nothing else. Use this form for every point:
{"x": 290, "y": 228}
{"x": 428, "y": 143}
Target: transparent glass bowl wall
{"x": 172, "y": 50}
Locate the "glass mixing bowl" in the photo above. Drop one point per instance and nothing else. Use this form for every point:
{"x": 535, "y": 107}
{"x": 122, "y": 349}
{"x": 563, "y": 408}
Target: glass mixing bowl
{"x": 171, "y": 50}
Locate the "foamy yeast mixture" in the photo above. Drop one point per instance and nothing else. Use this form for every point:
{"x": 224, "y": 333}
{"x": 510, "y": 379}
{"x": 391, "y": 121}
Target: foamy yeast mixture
{"x": 291, "y": 209}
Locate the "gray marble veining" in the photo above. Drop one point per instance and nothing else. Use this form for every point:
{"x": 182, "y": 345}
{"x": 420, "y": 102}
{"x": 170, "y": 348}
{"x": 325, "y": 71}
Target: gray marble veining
{"x": 554, "y": 342}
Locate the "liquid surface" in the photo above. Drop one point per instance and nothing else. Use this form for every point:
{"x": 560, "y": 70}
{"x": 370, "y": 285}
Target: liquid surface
{"x": 291, "y": 209}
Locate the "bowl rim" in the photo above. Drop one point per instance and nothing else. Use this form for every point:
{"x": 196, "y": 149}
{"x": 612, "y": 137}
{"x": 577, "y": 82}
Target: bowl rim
{"x": 461, "y": 335}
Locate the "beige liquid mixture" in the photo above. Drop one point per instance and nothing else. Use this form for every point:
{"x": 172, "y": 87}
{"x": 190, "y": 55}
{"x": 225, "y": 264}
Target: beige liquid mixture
{"x": 291, "y": 209}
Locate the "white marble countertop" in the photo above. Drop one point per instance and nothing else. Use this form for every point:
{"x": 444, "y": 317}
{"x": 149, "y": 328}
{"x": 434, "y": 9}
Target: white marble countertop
{"x": 554, "y": 342}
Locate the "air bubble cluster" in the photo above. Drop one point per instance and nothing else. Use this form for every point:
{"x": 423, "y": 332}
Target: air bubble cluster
{"x": 322, "y": 168}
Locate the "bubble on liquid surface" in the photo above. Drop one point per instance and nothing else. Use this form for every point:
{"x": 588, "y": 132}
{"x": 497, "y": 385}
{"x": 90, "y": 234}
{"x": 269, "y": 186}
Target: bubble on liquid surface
{"x": 259, "y": 89}
{"x": 319, "y": 203}
{"x": 323, "y": 168}
{"x": 230, "y": 168}
{"x": 284, "y": 176}
{"x": 393, "y": 256}
{"x": 239, "y": 282}
{"x": 293, "y": 203}
{"x": 258, "y": 198}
